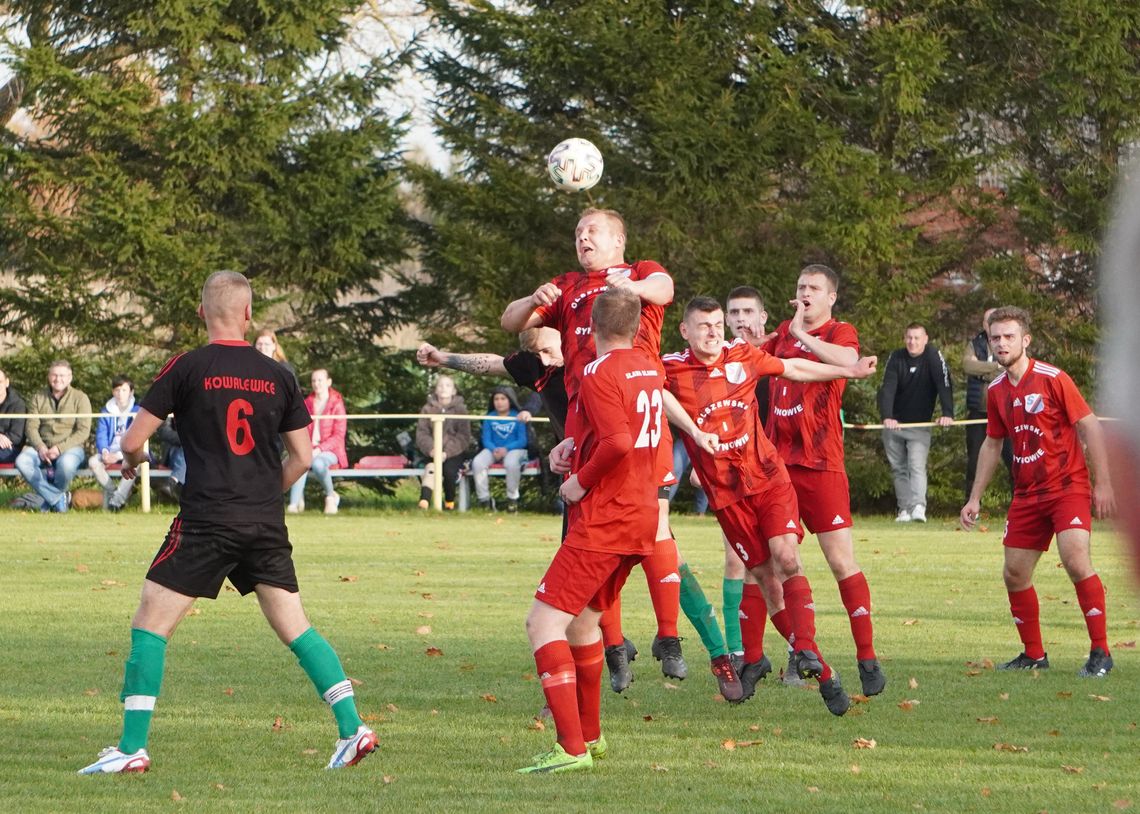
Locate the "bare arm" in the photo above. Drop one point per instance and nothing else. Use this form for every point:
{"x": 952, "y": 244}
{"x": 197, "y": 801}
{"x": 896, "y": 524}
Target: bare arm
{"x": 682, "y": 421}
{"x": 805, "y": 370}
{"x": 520, "y": 314}
{"x": 480, "y": 364}
{"x": 299, "y": 445}
{"x": 656, "y": 289}
{"x": 827, "y": 352}
{"x": 1104, "y": 500}
{"x": 134, "y": 440}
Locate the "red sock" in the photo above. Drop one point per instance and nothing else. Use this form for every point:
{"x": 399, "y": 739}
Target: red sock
{"x": 856, "y": 596}
{"x": 752, "y": 613}
{"x": 611, "y": 624}
{"x": 588, "y": 660}
{"x": 664, "y": 585}
{"x": 800, "y": 606}
{"x": 1090, "y": 595}
{"x": 1027, "y": 617}
{"x": 556, "y": 672}
{"x": 782, "y": 621}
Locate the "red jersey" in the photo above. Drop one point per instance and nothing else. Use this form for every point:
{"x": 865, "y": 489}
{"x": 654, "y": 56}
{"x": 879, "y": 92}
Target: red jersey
{"x": 721, "y": 398}
{"x": 570, "y": 315}
{"x": 1038, "y": 416}
{"x": 620, "y": 424}
{"x": 803, "y": 417}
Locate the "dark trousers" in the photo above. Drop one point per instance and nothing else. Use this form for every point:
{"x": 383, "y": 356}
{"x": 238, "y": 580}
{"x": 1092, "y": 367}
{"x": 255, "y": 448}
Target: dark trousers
{"x": 975, "y": 435}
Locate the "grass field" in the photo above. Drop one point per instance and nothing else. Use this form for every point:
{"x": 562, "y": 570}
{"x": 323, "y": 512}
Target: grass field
{"x": 239, "y": 728}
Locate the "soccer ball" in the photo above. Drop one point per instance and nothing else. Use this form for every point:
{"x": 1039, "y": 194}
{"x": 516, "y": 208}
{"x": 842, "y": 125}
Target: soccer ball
{"x": 575, "y": 164}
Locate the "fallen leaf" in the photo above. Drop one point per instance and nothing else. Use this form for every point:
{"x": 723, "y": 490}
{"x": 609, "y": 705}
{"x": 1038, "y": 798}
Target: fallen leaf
{"x": 989, "y": 719}
{"x": 1065, "y": 694}
{"x": 647, "y": 717}
{"x": 194, "y": 612}
{"x": 1072, "y": 769}
{"x": 987, "y": 664}
{"x": 418, "y": 573}
{"x": 83, "y": 569}
{"x": 489, "y": 698}
{"x": 112, "y": 583}
{"x": 1125, "y": 644}
{"x": 1009, "y": 747}
{"x": 746, "y": 744}
{"x": 112, "y": 653}
{"x": 356, "y": 682}
{"x": 435, "y": 712}
{"x": 813, "y": 789}
{"x": 433, "y": 651}
{"x": 754, "y": 728}
{"x": 537, "y": 725}
{"x": 657, "y": 767}
{"x": 859, "y": 698}
{"x": 855, "y": 768}
{"x": 371, "y": 717}
{"x": 425, "y": 614}
{"x": 393, "y": 708}
{"x": 728, "y": 745}
{"x": 983, "y": 529}
{"x": 913, "y": 683}
{"x": 388, "y": 778}
{"x": 669, "y": 686}
{"x": 467, "y": 666}
{"x": 1099, "y": 697}
{"x": 778, "y": 731}
{"x": 1004, "y": 696}
{"x": 1122, "y": 804}
{"x": 427, "y": 596}
{"x": 220, "y": 787}
{"x": 909, "y": 622}
{"x": 1099, "y": 786}
{"x": 972, "y": 673}
{"x": 985, "y": 791}
{"x": 908, "y": 704}
{"x": 864, "y": 743}
{"x": 423, "y": 630}
{"x": 308, "y": 751}
{"x": 175, "y": 796}
{"x": 91, "y": 691}
{"x": 278, "y": 724}
{"x": 382, "y": 646}
{"x": 228, "y": 691}
{"x": 350, "y": 578}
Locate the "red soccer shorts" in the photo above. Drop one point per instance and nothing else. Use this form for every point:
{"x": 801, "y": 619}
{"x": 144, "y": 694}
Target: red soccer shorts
{"x": 751, "y": 522}
{"x": 1033, "y": 524}
{"x": 578, "y": 578}
{"x": 824, "y": 497}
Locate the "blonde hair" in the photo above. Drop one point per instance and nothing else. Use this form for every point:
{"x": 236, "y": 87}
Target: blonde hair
{"x": 225, "y": 292}
{"x": 278, "y": 354}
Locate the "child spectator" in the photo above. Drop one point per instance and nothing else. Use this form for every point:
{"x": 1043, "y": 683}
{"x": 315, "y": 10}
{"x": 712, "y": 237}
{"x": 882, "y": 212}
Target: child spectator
{"x": 504, "y": 441}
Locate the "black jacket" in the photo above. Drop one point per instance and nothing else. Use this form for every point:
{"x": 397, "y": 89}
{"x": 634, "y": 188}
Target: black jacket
{"x": 912, "y": 385}
{"x": 13, "y": 427}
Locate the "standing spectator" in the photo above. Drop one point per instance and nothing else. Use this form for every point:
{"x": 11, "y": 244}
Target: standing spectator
{"x": 54, "y": 450}
{"x": 11, "y": 429}
{"x": 981, "y": 367}
{"x": 916, "y": 378}
{"x": 504, "y": 441}
{"x": 118, "y": 414}
{"x": 443, "y": 400}
{"x": 327, "y": 436}
{"x": 267, "y": 343}
{"x": 174, "y": 457}
{"x": 1039, "y": 407}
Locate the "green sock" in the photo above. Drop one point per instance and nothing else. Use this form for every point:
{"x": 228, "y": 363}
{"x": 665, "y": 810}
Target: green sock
{"x": 700, "y": 613}
{"x": 733, "y": 592}
{"x": 142, "y": 680}
{"x": 321, "y": 665}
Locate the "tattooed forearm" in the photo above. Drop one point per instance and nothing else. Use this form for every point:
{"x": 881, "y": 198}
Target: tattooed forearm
{"x": 480, "y": 364}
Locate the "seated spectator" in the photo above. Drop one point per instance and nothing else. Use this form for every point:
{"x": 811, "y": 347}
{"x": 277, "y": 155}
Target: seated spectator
{"x": 504, "y": 441}
{"x": 54, "y": 450}
{"x": 174, "y": 457}
{"x": 444, "y": 400}
{"x": 11, "y": 429}
{"x": 328, "y": 442}
{"x": 119, "y": 412}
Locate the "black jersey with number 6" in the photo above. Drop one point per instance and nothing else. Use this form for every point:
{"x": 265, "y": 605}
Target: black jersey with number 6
{"x": 230, "y": 402}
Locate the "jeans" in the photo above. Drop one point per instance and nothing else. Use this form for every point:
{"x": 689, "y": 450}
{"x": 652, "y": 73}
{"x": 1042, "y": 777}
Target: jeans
{"x": 52, "y": 489}
{"x": 513, "y": 462}
{"x": 322, "y": 462}
{"x": 907, "y": 449}
{"x": 176, "y": 460}
{"x": 9, "y": 455}
{"x": 113, "y": 495}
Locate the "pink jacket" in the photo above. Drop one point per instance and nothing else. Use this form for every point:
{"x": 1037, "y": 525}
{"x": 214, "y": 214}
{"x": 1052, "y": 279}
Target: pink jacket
{"x": 332, "y": 432}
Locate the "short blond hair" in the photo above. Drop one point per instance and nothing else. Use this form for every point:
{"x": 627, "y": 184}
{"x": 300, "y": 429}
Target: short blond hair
{"x": 225, "y": 292}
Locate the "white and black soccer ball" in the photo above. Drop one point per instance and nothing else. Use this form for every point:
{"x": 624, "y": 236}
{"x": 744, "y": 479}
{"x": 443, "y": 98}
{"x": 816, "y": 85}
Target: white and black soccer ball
{"x": 574, "y": 164}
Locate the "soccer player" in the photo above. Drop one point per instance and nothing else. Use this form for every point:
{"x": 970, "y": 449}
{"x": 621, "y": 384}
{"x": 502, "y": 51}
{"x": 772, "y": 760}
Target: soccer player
{"x": 565, "y": 303}
{"x": 230, "y": 403}
{"x": 806, "y": 429}
{"x": 1040, "y": 409}
{"x": 611, "y": 491}
{"x": 746, "y": 481}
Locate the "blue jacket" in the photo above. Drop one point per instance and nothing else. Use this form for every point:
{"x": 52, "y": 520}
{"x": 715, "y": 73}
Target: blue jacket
{"x": 506, "y": 434}
{"x": 112, "y": 424}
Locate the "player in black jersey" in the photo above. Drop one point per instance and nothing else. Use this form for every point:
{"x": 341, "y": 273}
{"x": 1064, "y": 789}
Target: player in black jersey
{"x": 230, "y": 402}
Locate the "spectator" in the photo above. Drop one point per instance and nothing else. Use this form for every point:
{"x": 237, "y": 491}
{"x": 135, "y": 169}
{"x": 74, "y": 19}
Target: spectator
{"x": 118, "y": 414}
{"x": 327, "y": 437}
{"x": 981, "y": 367}
{"x": 266, "y": 342}
{"x": 174, "y": 457}
{"x": 680, "y": 466}
{"x": 444, "y": 400}
{"x": 504, "y": 441}
{"x": 11, "y": 429}
{"x": 54, "y": 450}
{"x": 916, "y": 377}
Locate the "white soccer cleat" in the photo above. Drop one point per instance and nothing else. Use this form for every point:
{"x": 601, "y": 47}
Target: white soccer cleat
{"x": 112, "y": 761}
{"x": 350, "y": 751}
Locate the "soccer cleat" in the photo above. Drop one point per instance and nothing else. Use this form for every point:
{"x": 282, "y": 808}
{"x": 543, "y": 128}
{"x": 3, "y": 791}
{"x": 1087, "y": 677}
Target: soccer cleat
{"x": 1023, "y": 662}
{"x": 557, "y": 760}
{"x": 1097, "y": 666}
{"x": 918, "y": 514}
{"x": 630, "y": 650}
{"x": 350, "y": 751}
{"x": 598, "y": 748}
{"x": 617, "y": 660}
{"x": 727, "y": 679}
{"x": 808, "y": 664}
{"x": 737, "y": 660}
{"x": 903, "y": 516}
{"x": 791, "y": 676}
{"x": 667, "y": 650}
{"x": 871, "y": 675}
{"x": 112, "y": 761}
{"x": 833, "y": 695}
{"x": 751, "y": 675}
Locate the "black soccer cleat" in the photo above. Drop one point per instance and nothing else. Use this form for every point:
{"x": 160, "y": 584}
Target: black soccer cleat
{"x": 808, "y": 664}
{"x": 1023, "y": 662}
{"x": 752, "y": 674}
{"x": 834, "y": 696}
{"x": 1097, "y": 666}
{"x": 667, "y": 650}
{"x": 630, "y": 650}
{"x": 617, "y": 660}
{"x": 871, "y": 676}
{"x": 727, "y": 680}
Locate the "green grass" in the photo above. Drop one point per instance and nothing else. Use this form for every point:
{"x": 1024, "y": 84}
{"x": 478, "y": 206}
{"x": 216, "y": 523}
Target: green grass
{"x": 454, "y": 727}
